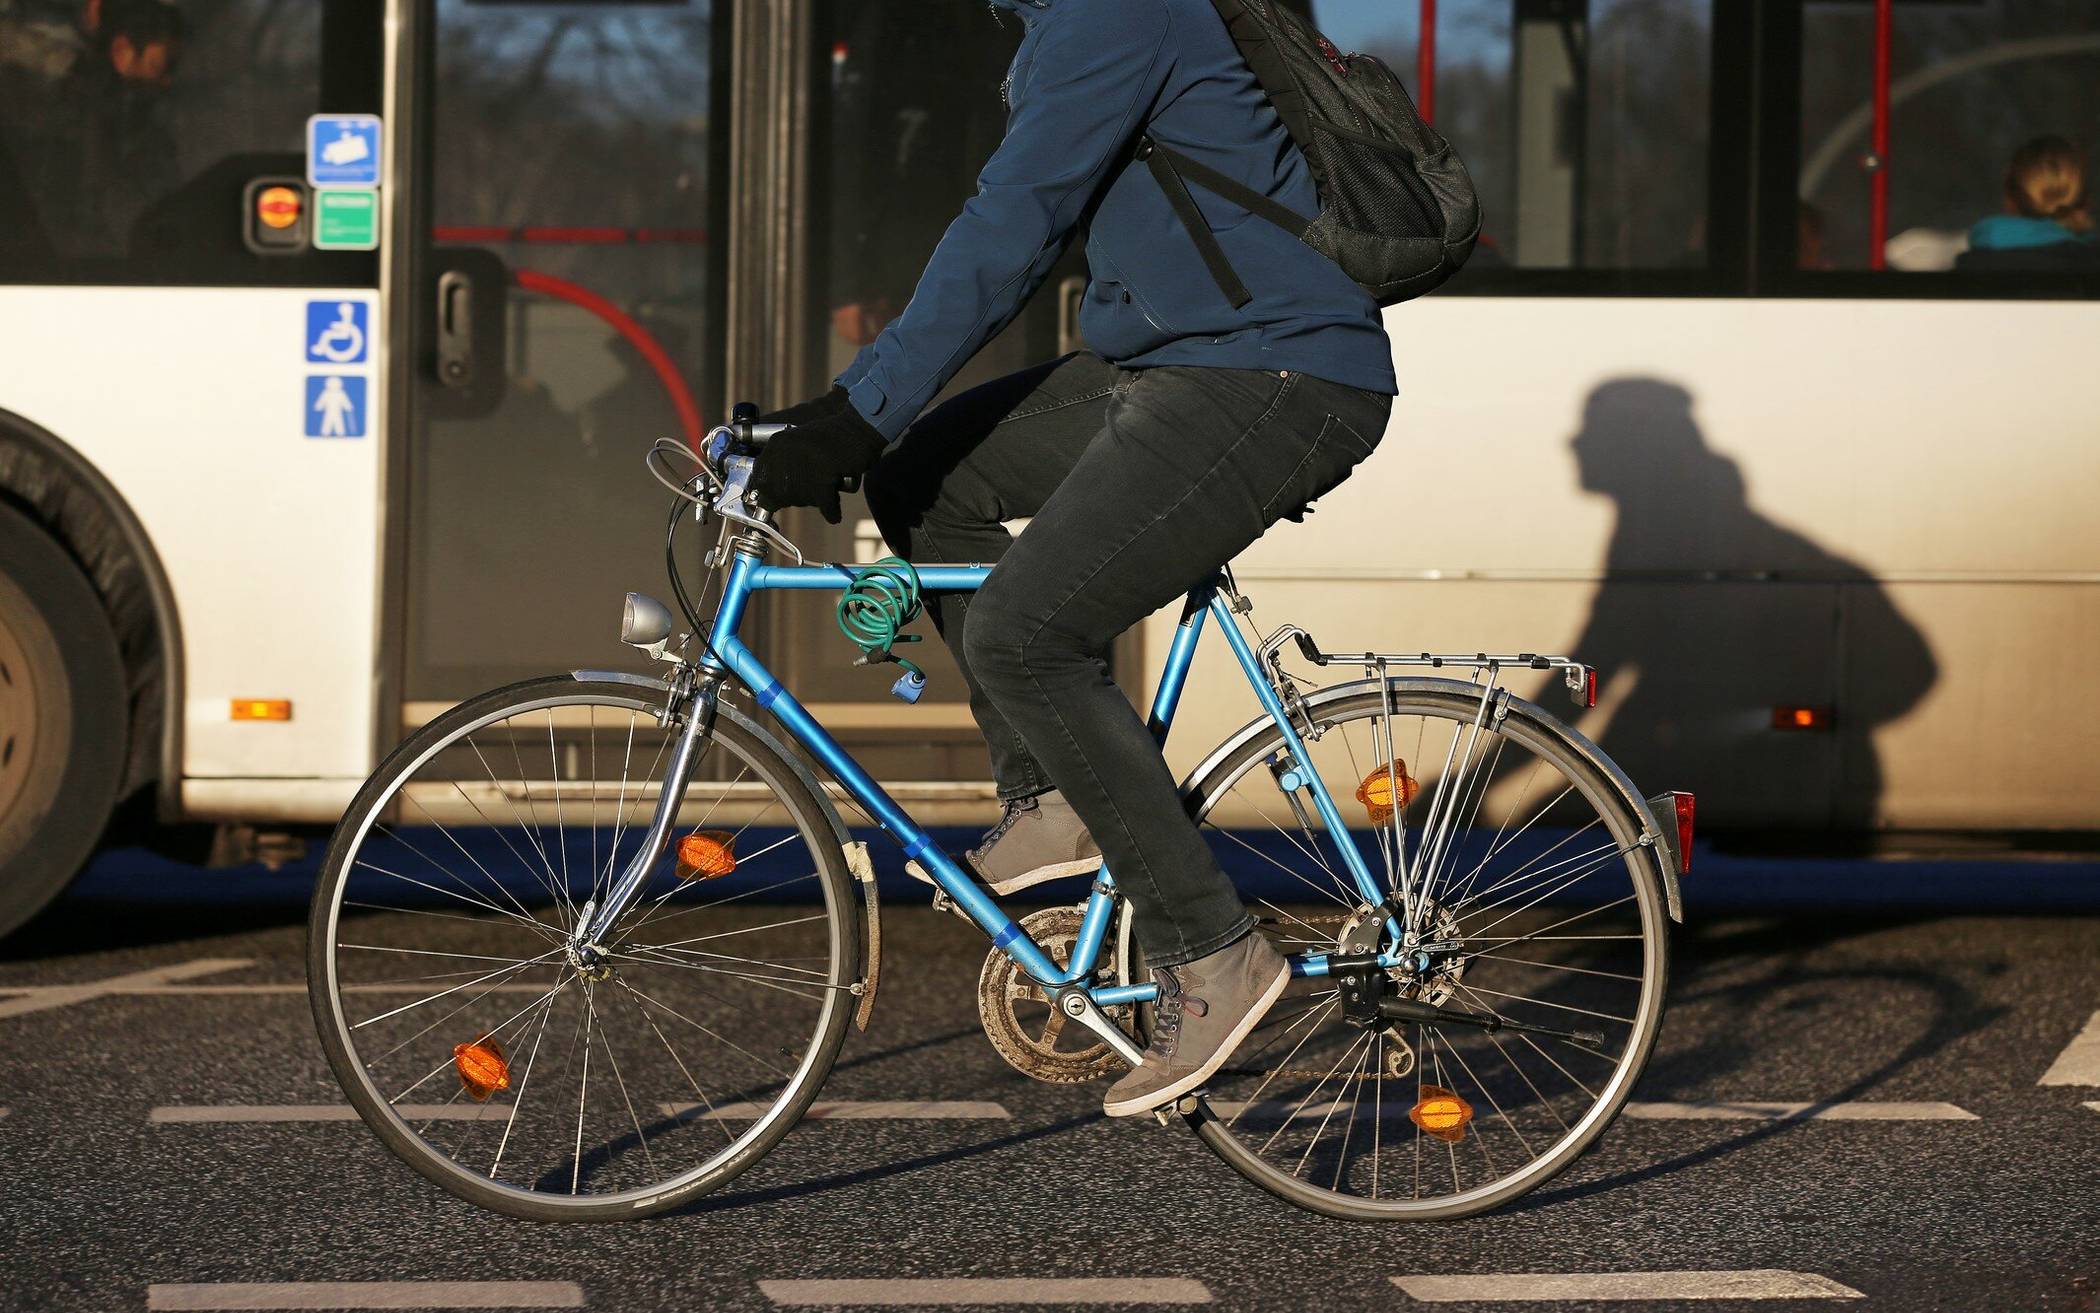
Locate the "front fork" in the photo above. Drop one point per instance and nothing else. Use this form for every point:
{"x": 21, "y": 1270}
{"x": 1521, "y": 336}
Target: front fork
{"x": 694, "y": 703}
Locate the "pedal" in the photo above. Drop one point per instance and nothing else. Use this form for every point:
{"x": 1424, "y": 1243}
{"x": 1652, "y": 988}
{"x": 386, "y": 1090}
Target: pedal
{"x": 941, "y": 901}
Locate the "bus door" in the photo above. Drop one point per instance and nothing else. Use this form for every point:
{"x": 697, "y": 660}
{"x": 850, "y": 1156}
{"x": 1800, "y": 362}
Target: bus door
{"x": 557, "y": 297}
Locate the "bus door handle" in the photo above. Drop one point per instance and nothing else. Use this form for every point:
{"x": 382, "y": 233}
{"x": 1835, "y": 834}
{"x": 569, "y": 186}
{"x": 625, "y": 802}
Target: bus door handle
{"x": 455, "y": 329}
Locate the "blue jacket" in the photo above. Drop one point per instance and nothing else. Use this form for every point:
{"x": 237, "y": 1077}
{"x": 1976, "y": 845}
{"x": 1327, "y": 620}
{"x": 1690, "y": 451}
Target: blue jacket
{"x": 1089, "y": 77}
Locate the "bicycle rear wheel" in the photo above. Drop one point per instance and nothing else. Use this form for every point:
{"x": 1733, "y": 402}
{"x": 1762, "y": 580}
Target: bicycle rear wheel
{"x": 515, "y": 1076}
{"x": 1541, "y": 907}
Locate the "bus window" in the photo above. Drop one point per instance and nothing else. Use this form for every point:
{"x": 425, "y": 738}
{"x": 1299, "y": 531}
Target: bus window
{"x": 913, "y": 111}
{"x": 1584, "y": 122}
{"x": 129, "y": 129}
{"x": 1970, "y": 85}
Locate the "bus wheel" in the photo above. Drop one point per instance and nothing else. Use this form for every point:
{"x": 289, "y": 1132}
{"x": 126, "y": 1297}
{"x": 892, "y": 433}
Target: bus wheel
{"x": 63, "y": 727}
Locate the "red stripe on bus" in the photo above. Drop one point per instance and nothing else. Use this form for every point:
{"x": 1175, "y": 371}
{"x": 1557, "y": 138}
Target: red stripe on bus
{"x": 642, "y": 340}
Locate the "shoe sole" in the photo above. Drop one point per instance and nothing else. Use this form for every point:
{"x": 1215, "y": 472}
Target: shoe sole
{"x": 1154, "y": 1099}
{"x": 1016, "y": 883}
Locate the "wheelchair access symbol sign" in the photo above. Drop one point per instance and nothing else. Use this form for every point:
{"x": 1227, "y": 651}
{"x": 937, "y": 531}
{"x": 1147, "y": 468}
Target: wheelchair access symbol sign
{"x": 338, "y": 332}
{"x": 342, "y": 150}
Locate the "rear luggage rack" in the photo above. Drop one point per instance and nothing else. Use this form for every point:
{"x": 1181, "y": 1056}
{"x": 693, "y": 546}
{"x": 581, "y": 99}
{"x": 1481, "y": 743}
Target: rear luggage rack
{"x": 1581, "y": 680}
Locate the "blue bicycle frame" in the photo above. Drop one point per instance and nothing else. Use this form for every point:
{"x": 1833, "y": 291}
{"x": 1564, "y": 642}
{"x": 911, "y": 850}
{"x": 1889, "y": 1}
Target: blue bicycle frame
{"x": 727, "y": 652}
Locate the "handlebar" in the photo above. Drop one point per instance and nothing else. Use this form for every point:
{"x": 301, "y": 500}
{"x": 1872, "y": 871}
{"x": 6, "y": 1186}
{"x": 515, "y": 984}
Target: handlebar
{"x": 720, "y": 483}
{"x": 753, "y": 434}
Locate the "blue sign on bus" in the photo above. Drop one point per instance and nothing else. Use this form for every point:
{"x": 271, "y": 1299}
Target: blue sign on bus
{"x": 335, "y": 406}
{"x": 342, "y": 150}
{"x": 337, "y": 332}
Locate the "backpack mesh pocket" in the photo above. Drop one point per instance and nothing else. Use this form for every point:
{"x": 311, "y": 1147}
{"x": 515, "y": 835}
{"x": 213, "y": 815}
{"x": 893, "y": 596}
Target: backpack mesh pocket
{"x": 1373, "y": 188}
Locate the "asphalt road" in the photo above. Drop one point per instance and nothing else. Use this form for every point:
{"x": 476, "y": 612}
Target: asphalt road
{"x": 125, "y": 1182}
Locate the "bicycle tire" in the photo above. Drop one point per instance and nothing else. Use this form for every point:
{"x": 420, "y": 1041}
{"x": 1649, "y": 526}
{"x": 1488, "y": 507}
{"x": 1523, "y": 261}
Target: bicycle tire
{"x": 1605, "y": 788}
{"x": 807, "y": 817}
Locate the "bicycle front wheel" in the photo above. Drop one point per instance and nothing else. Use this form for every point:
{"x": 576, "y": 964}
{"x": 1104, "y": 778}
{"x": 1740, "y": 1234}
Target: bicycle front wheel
{"x": 498, "y": 1064}
{"x": 1538, "y": 903}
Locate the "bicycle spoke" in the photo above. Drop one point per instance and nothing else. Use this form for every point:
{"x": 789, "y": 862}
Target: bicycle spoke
{"x": 735, "y": 1006}
{"x": 1520, "y": 887}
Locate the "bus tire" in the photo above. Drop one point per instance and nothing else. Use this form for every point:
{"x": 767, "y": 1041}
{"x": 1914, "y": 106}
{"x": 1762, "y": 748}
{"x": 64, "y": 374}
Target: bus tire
{"x": 64, "y": 728}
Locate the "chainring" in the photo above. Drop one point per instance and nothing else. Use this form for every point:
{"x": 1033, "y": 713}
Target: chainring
{"x": 1034, "y": 1038}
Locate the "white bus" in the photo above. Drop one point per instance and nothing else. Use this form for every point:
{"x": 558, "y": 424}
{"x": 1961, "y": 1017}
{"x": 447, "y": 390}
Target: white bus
{"x": 1825, "y": 524}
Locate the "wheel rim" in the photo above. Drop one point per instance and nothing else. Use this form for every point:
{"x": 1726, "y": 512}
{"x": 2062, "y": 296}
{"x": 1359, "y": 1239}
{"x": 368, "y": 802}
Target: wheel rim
{"x": 19, "y": 738}
{"x": 1298, "y": 1109}
{"x": 505, "y": 1067}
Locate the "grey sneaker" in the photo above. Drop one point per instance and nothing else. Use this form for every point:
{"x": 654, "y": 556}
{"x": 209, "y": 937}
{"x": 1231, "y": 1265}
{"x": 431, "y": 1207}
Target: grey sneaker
{"x": 1036, "y": 839}
{"x": 1205, "y": 1009}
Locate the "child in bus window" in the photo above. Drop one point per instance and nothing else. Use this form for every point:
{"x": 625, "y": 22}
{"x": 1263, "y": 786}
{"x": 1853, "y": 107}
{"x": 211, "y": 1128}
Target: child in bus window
{"x": 2048, "y": 221}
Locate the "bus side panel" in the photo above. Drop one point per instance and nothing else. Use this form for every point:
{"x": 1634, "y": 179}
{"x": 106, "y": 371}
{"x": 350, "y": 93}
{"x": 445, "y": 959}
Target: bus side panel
{"x": 195, "y": 403}
{"x": 1879, "y": 509}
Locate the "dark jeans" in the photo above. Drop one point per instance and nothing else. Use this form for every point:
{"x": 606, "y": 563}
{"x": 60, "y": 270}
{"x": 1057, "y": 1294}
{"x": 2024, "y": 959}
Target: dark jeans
{"x": 1140, "y": 485}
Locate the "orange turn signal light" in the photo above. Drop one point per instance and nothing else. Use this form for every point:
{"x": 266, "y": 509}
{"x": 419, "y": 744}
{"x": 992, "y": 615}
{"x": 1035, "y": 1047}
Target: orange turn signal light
{"x": 262, "y": 708}
{"x": 482, "y": 1066}
{"x": 1376, "y": 792}
{"x": 1441, "y": 1113}
{"x": 706, "y": 854}
{"x": 1802, "y": 717}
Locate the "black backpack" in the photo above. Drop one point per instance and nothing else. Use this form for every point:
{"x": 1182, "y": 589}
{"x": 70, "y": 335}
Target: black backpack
{"x": 1398, "y": 211}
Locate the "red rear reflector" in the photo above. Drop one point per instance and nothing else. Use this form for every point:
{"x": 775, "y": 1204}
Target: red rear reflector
{"x": 1802, "y": 717}
{"x": 1684, "y": 831}
{"x": 1589, "y": 687}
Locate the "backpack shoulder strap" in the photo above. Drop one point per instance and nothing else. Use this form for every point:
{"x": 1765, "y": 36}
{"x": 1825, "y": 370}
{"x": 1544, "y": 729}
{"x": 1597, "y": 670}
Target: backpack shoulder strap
{"x": 1168, "y": 168}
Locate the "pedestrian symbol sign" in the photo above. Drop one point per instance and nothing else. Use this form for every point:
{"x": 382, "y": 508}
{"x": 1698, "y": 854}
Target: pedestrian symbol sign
{"x": 346, "y": 219}
{"x": 337, "y": 332}
{"x": 342, "y": 150}
{"x": 335, "y": 406}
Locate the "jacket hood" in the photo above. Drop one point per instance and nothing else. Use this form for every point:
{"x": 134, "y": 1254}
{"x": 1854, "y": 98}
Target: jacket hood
{"x": 2019, "y": 232}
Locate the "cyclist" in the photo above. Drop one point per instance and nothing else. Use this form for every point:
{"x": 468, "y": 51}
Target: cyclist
{"x": 1147, "y": 461}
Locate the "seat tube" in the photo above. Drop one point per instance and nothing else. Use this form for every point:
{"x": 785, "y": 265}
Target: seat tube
{"x": 1323, "y": 802}
{"x": 1181, "y": 654}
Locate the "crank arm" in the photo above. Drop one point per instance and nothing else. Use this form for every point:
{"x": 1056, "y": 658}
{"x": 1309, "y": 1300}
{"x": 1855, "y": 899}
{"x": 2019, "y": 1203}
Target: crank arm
{"x": 1407, "y": 1009}
{"x": 1072, "y": 1000}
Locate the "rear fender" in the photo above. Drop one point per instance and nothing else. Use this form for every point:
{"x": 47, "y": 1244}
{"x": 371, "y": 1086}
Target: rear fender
{"x": 1659, "y": 843}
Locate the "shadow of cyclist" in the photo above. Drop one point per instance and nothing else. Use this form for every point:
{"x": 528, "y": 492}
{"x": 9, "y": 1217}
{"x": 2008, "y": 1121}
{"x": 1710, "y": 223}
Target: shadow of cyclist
{"x": 1711, "y": 615}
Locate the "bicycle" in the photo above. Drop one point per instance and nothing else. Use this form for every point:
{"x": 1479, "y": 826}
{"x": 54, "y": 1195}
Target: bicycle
{"x": 1472, "y": 999}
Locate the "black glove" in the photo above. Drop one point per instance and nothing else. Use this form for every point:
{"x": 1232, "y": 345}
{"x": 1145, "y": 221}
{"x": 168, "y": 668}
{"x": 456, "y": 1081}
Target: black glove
{"x": 831, "y": 403}
{"x": 804, "y": 465}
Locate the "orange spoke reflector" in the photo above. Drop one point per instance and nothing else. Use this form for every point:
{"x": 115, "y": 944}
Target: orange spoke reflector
{"x": 706, "y": 854}
{"x": 1441, "y": 1113}
{"x": 1376, "y": 792}
{"x": 483, "y": 1069}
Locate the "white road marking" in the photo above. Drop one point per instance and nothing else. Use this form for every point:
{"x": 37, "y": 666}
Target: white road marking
{"x": 39, "y": 998}
{"x": 2079, "y": 1063}
{"x": 1546, "y": 1287}
{"x": 850, "y": 1110}
{"x": 1722, "y": 1110}
{"x": 193, "y": 1114}
{"x": 366, "y": 1294}
{"x": 983, "y": 1290}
